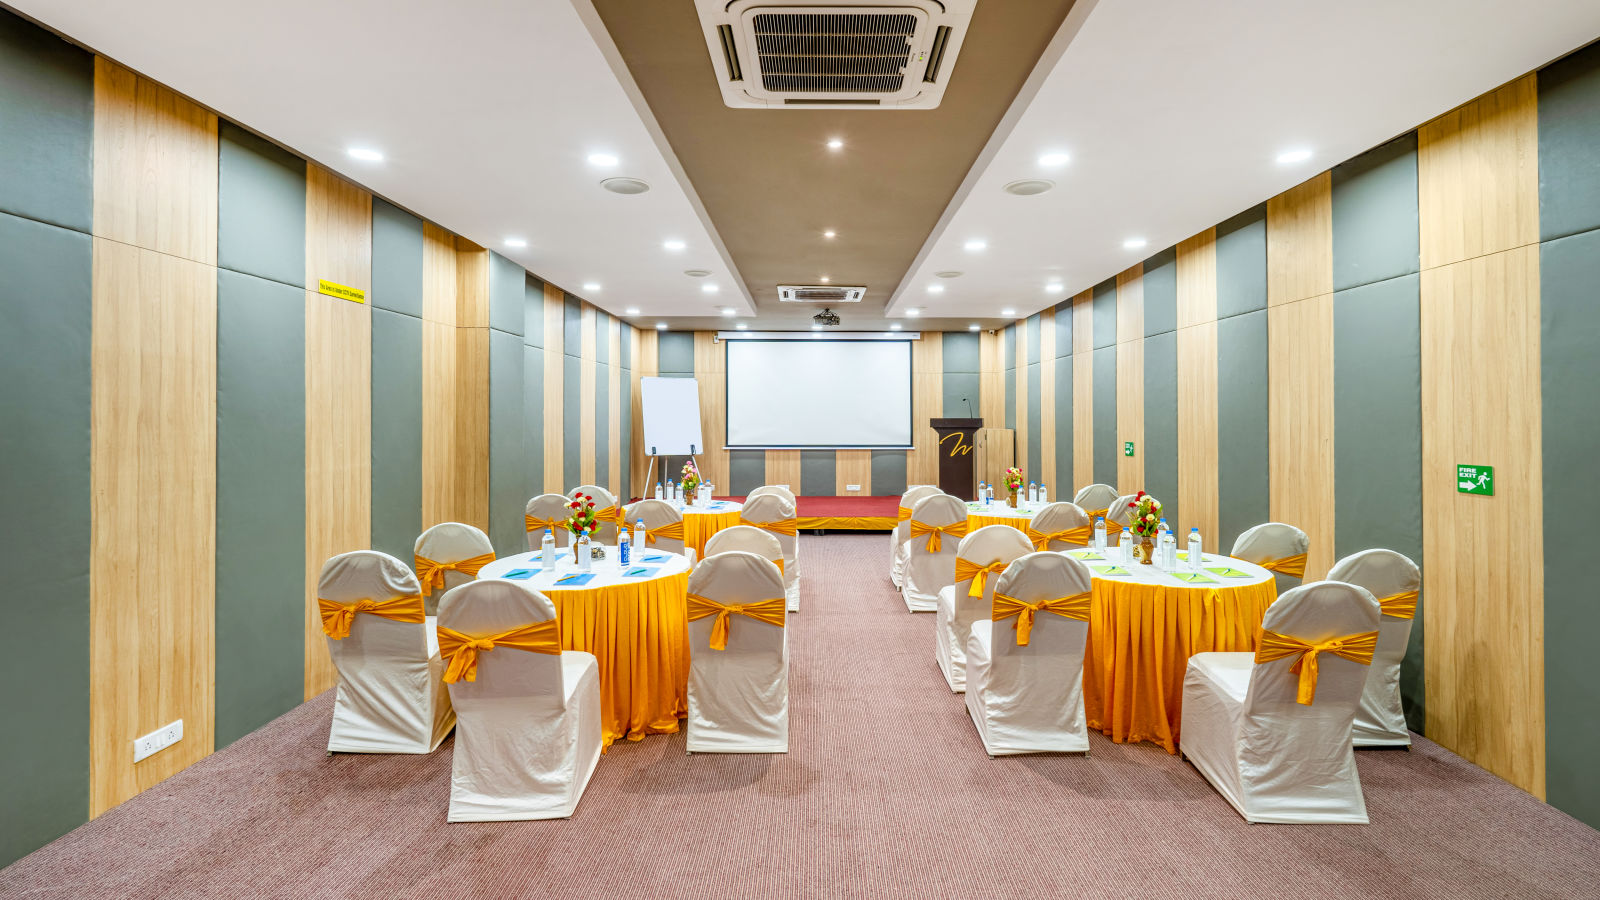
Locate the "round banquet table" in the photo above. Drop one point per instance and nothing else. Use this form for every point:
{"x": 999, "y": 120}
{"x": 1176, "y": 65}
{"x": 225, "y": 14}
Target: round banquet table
{"x": 1144, "y": 626}
{"x": 701, "y": 522}
{"x": 637, "y": 628}
{"x": 998, "y": 513}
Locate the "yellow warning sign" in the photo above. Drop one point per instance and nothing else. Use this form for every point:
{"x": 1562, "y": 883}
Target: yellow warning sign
{"x": 342, "y": 291}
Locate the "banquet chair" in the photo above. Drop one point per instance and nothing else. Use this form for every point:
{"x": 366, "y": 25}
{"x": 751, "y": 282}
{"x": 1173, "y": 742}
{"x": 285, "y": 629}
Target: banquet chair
{"x": 547, "y": 511}
{"x": 449, "y": 555}
{"x": 775, "y": 515}
{"x": 1118, "y": 515}
{"x": 1025, "y": 662}
{"x": 902, "y": 531}
{"x": 1395, "y": 581}
{"x": 738, "y": 656}
{"x": 980, "y": 558}
{"x": 1060, "y": 526}
{"x": 1279, "y": 548}
{"x": 1271, "y": 730}
{"x": 1095, "y": 500}
{"x": 607, "y": 514}
{"x": 936, "y": 527}
{"x": 663, "y": 526}
{"x": 778, "y": 489}
{"x": 529, "y": 730}
{"x": 389, "y": 697}
{"x": 749, "y": 539}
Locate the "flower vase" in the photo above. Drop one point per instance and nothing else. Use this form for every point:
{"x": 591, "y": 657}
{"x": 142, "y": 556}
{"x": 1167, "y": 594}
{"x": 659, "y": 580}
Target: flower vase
{"x": 1011, "y": 498}
{"x": 1146, "y": 551}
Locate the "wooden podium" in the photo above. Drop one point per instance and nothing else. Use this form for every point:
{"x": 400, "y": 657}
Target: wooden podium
{"x": 957, "y": 441}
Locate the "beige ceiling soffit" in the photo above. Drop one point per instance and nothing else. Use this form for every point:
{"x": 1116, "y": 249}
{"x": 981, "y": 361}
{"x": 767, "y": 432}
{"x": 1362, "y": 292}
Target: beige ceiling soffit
{"x": 1076, "y": 16}
{"x": 619, "y": 68}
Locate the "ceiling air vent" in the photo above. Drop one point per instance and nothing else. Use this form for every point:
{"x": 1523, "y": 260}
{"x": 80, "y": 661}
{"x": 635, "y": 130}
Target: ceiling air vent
{"x": 841, "y": 54}
{"x": 820, "y": 293}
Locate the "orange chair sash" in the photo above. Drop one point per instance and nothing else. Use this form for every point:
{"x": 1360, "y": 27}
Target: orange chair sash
{"x": 1400, "y": 606}
{"x": 337, "y": 617}
{"x": 904, "y": 515}
{"x": 978, "y": 574}
{"x": 431, "y": 573}
{"x": 1354, "y": 647}
{"x": 1097, "y": 513}
{"x": 672, "y": 531}
{"x": 612, "y": 514}
{"x": 532, "y": 523}
{"x": 935, "y": 533}
{"x": 768, "y": 611}
{"x": 779, "y": 526}
{"x": 1080, "y": 535}
{"x": 1290, "y": 565}
{"x": 1006, "y": 606}
{"x": 461, "y": 650}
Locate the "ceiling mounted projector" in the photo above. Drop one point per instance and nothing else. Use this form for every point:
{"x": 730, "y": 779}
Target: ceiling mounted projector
{"x": 827, "y": 317}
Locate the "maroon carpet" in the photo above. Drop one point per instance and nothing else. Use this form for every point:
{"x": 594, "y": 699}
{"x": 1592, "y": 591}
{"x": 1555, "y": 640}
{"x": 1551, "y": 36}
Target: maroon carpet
{"x": 886, "y": 792}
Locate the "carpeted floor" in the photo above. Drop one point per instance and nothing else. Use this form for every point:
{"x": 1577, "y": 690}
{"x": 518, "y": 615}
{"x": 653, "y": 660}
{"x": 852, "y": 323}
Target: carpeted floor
{"x": 886, "y": 792}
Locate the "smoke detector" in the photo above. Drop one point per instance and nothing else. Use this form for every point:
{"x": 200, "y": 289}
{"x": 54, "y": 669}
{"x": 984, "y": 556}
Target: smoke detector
{"x": 838, "y": 54}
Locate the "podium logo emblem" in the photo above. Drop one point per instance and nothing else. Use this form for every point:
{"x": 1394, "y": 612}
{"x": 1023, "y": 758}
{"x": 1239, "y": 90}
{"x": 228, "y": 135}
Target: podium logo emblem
{"x": 961, "y": 448}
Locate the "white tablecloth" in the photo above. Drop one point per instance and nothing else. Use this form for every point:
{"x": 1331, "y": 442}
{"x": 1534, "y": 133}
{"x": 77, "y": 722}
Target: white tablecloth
{"x": 1155, "y": 574}
{"x": 607, "y": 572}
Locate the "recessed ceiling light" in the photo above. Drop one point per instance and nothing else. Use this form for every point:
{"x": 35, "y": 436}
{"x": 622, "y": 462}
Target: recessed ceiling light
{"x": 1054, "y": 159}
{"x": 709, "y": 288}
{"x": 741, "y": 326}
{"x": 728, "y": 311}
{"x": 914, "y": 311}
{"x": 661, "y": 326}
{"x": 1133, "y": 243}
{"x": 948, "y": 273}
{"x": 632, "y": 310}
{"x": 365, "y": 155}
{"x": 894, "y": 326}
{"x": 625, "y": 185}
{"x": 1290, "y": 157}
{"x": 516, "y": 243}
{"x": 673, "y": 245}
{"x": 830, "y": 233}
{"x": 835, "y": 144}
{"x": 603, "y": 160}
{"x": 935, "y": 288}
{"x": 1008, "y": 312}
{"x": 591, "y": 285}
{"x": 823, "y": 279}
{"x": 697, "y": 273}
{"x": 1028, "y": 187}
{"x": 1054, "y": 287}
{"x": 973, "y": 327}
{"x": 974, "y": 246}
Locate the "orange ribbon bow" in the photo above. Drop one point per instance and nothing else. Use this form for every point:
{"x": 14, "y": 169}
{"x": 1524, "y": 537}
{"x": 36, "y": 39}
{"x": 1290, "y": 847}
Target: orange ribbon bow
{"x": 1080, "y": 535}
{"x": 935, "y": 533}
{"x": 431, "y": 573}
{"x": 904, "y": 514}
{"x": 978, "y": 574}
{"x": 1354, "y": 647}
{"x": 612, "y": 514}
{"x": 338, "y": 617}
{"x": 768, "y": 611}
{"x": 1290, "y": 565}
{"x": 780, "y": 526}
{"x": 1400, "y": 606}
{"x": 1006, "y": 606}
{"x": 461, "y": 650}
{"x": 672, "y": 531}
{"x": 531, "y": 523}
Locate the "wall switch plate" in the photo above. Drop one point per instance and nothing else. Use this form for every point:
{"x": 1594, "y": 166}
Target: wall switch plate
{"x": 852, "y": 487}
{"x": 158, "y": 740}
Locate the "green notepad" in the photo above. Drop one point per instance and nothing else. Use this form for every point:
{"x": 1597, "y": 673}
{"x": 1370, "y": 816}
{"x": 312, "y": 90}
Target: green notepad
{"x": 1110, "y": 570}
{"x": 1085, "y": 554}
{"x": 1227, "y": 572}
{"x": 1194, "y": 577}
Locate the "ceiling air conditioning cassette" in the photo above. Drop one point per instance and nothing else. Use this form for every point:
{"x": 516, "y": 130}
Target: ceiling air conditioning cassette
{"x": 843, "y": 54}
{"x": 819, "y": 293}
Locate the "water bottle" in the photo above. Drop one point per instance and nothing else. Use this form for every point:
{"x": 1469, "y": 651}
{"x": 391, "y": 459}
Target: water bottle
{"x": 1161, "y": 542}
{"x": 1194, "y": 549}
{"x": 1044, "y": 495}
{"x": 982, "y": 490}
{"x": 1100, "y": 533}
{"x": 1124, "y": 546}
{"x": 547, "y": 550}
{"x": 672, "y": 491}
{"x": 1169, "y": 550}
{"x": 1033, "y": 493}
{"x": 585, "y": 561}
{"x": 660, "y": 491}
{"x": 623, "y": 542}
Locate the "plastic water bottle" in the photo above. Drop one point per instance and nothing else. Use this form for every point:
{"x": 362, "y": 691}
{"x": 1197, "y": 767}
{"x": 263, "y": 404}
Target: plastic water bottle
{"x": 547, "y": 550}
{"x": 1044, "y": 495}
{"x": 1033, "y": 493}
{"x": 1100, "y": 533}
{"x": 1124, "y": 546}
{"x": 672, "y": 491}
{"x": 983, "y": 491}
{"x": 640, "y": 535}
{"x": 623, "y": 542}
{"x": 1161, "y": 542}
{"x": 660, "y": 491}
{"x": 585, "y": 561}
{"x": 1195, "y": 554}
{"x": 1169, "y": 550}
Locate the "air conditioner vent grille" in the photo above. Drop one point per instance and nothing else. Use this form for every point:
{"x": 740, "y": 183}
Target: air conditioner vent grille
{"x": 834, "y": 52}
{"x": 820, "y": 293}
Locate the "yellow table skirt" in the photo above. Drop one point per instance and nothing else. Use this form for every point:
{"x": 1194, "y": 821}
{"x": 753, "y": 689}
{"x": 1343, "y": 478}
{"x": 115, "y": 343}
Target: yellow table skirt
{"x": 639, "y": 633}
{"x": 846, "y": 523}
{"x": 975, "y": 521}
{"x": 1140, "y": 639}
{"x": 698, "y": 527}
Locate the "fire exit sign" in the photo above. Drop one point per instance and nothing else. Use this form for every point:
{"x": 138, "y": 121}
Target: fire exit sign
{"x": 1475, "y": 479}
{"x": 1127, "y": 448}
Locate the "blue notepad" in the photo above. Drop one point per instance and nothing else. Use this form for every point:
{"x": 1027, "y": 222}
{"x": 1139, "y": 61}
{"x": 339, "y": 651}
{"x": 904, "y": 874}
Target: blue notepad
{"x": 654, "y": 557}
{"x": 641, "y": 572}
{"x": 575, "y": 580}
{"x": 520, "y": 574}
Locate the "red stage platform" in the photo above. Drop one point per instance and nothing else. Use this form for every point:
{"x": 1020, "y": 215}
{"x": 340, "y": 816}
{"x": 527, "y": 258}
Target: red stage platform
{"x": 845, "y": 513}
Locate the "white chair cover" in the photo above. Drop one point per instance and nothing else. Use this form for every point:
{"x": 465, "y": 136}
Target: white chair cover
{"x": 1029, "y": 699}
{"x": 749, "y": 539}
{"x": 1057, "y": 517}
{"x": 778, "y": 489}
{"x": 738, "y": 696}
{"x": 1095, "y": 496}
{"x": 1269, "y": 541}
{"x": 1380, "y": 721}
{"x": 548, "y": 508}
{"x": 1273, "y": 758}
{"x": 389, "y": 697}
{"x": 657, "y": 514}
{"x": 529, "y": 732}
{"x": 772, "y": 507}
{"x": 898, "y": 551}
{"x": 955, "y": 611}
{"x": 449, "y": 542}
{"x": 927, "y": 572}
{"x": 605, "y": 530}
{"x": 1119, "y": 513}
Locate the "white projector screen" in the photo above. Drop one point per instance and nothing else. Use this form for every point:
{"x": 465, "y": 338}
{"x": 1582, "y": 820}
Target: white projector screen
{"x": 819, "y": 393}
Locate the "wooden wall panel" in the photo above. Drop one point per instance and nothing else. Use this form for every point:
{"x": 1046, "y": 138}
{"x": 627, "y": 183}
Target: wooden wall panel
{"x": 1130, "y": 305}
{"x": 615, "y": 450}
{"x": 710, "y": 372}
{"x": 1300, "y": 242}
{"x": 991, "y": 379}
{"x": 1047, "y": 406}
{"x": 645, "y": 358}
{"x": 586, "y": 394}
{"x": 1020, "y": 376}
{"x": 469, "y": 466}
{"x": 438, "y": 372}
{"x": 1198, "y": 501}
{"x": 338, "y": 383}
{"x": 1082, "y": 392}
{"x": 1197, "y": 279}
{"x": 783, "y": 467}
{"x": 1130, "y": 378}
{"x": 153, "y": 481}
{"x": 853, "y": 467}
{"x": 554, "y": 393}
{"x": 1300, "y": 480}
{"x": 927, "y": 402}
{"x": 1478, "y": 176}
{"x": 155, "y": 166}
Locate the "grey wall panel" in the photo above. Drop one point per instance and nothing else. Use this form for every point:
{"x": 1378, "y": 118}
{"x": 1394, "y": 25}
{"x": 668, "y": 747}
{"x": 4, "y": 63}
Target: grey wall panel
{"x": 1377, "y": 403}
{"x": 1569, "y": 132}
{"x": 507, "y": 294}
{"x": 1105, "y": 313}
{"x": 888, "y": 472}
{"x": 625, "y": 345}
{"x": 47, "y": 118}
{"x": 747, "y": 470}
{"x": 1106, "y": 446}
{"x": 1242, "y": 263}
{"x": 571, "y": 326}
{"x": 1242, "y": 461}
{"x": 1034, "y": 323}
{"x": 571, "y": 422}
{"x": 1569, "y": 269}
{"x": 1161, "y": 425}
{"x": 44, "y": 518}
{"x": 1035, "y": 423}
{"x": 1067, "y": 481}
{"x": 602, "y": 337}
{"x": 1011, "y": 398}
{"x": 261, "y": 502}
{"x": 1160, "y": 294}
{"x": 625, "y": 387}
{"x": 396, "y": 259}
{"x": 960, "y": 394}
{"x": 602, "y": 428}
{"x": 508, "y": 487}
{"x": 1008, "y": 341}
{"x": 960, "y": 352}
{"x": 1063, "y": 329}
{"x": 396, "y": 432}
{"x": 533, "y": 420}
{"x": 675, "y": 354}
{"x": 1375, "y": 226}
{"x": 533, "y": 312}
{"x": 817, "y": 474}
{"x": 261, "y": 207}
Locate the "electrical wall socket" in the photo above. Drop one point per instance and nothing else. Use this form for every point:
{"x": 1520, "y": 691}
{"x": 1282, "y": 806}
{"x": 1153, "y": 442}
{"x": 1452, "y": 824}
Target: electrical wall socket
{"x": 158, "y": 740}
{"x": 852, "y": 487}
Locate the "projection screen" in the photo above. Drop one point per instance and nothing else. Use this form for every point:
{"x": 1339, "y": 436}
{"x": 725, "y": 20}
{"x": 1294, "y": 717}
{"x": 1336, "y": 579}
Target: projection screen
{"x": 819, "y": 393}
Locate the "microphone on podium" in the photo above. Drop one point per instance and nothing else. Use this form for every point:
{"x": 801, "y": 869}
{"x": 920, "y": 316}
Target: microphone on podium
{"x": 969, "y": 406}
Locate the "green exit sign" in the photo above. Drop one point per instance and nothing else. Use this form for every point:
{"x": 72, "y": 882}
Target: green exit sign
{"x": 1127, "y": 448}
{"x": 1475, "y": 479}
